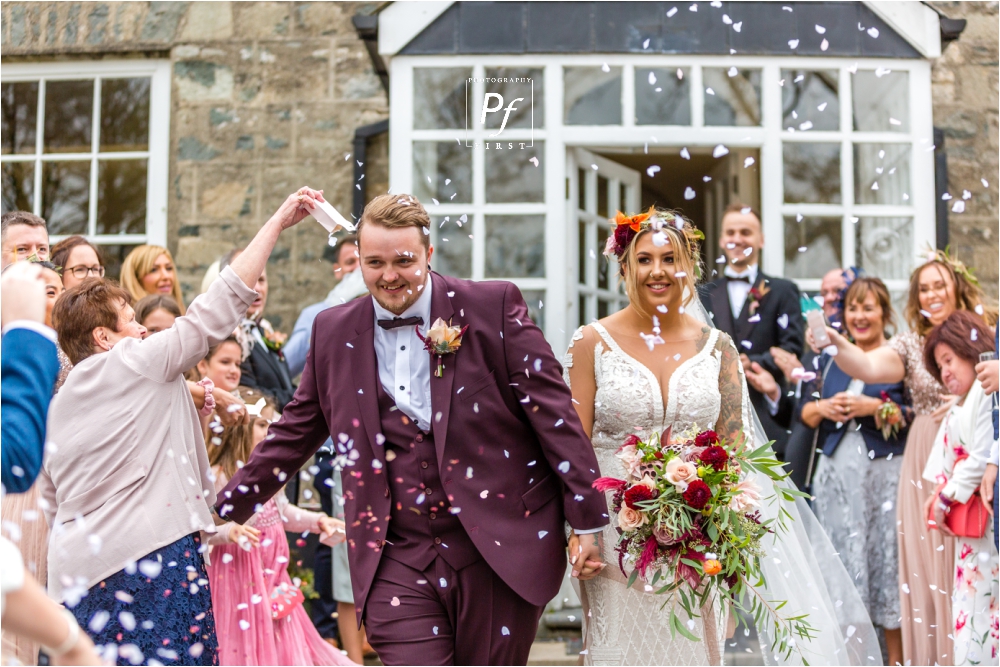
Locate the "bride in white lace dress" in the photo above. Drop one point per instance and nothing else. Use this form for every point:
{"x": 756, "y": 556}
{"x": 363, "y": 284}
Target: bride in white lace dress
{"x": 652, "y": 367}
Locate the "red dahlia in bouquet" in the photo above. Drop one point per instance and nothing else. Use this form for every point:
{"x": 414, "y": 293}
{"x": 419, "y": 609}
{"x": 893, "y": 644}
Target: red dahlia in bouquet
{"x": 688, "y": 515}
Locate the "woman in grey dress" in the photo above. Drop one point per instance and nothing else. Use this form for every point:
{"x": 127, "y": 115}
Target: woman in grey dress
{"x": 858, "y": 471}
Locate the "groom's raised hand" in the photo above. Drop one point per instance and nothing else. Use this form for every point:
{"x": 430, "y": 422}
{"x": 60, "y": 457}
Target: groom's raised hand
{"x": 585, "y": 554}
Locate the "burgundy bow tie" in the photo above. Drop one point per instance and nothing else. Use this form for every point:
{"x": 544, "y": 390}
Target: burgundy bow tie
{"x": 397, "y": 322}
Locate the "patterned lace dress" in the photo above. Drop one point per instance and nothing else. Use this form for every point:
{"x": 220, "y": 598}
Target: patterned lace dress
{"x": 629, "y": 626}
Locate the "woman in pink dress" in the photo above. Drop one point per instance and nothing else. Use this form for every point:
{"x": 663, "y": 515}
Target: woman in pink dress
{"x": 244, "y": 576}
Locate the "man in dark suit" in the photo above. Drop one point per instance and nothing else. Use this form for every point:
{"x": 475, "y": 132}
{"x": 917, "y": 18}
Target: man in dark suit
{"x": 757, "y": 310}
{"x": 265, "y": 367}
{"x": 460, "y": 470}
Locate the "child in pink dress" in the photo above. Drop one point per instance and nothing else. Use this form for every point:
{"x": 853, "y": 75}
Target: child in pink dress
{"x": 242, "y": 578}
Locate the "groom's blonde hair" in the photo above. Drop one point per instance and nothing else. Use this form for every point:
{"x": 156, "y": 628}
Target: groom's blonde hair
{"x": 396, "y": 211}
{"x": 686, "y": 259}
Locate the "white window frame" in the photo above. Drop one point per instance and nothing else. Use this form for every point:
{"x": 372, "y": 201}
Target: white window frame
{"x": 767, "y": 138}
{"x": 157, "y": 155}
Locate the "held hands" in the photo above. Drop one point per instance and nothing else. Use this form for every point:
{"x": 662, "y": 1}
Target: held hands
{"x": 585, "y": 554}
{"x": 246, "y": 537}
{"x": 297, "y": 206}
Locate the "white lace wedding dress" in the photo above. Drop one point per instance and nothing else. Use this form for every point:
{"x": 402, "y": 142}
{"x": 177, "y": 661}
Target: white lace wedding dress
{"x": 630, "y": 626}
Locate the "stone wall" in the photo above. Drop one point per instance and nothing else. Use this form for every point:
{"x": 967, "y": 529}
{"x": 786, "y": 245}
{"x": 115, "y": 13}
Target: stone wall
{"x": 266, "y": 97}
{"x": 965, "y": 89}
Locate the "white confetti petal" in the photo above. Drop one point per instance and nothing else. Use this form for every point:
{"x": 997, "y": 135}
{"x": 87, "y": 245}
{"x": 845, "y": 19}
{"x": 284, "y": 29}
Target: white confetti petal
{"x": 151, "y": 568}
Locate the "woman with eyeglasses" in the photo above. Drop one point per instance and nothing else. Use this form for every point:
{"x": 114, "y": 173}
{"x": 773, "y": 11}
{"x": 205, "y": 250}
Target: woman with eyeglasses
{"x": 79, "y": 260}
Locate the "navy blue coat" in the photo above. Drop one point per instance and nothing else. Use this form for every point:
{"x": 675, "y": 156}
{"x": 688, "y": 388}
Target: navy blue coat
{"x": 30, "y": 367}
{"x": 834, "y": 381}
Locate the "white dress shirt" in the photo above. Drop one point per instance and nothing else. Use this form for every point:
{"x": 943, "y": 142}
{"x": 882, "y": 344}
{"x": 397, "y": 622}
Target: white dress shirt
{"x": 404, "y": 366}
{"x": 738, "y": 290}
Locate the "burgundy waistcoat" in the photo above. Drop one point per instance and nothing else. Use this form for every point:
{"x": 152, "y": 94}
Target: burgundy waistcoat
{"x": 423, "y": 522}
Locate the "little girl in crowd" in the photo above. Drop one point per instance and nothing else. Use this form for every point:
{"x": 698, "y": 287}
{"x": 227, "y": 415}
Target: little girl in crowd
{"x": 259, "y": 617}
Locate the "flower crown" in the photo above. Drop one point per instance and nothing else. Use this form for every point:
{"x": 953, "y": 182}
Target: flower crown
{"x": 958, "y": 266}
{"x": 626, "y": 228}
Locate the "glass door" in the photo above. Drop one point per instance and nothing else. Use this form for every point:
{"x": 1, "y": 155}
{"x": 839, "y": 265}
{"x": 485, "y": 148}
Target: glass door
{"x": 597, "y": 187}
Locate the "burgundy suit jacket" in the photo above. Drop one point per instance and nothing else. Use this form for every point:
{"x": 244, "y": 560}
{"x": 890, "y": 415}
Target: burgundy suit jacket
{"x": 512, "y": 454}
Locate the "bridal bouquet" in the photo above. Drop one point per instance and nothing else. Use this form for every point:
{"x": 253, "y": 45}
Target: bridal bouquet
{"x": 689, "y": 519}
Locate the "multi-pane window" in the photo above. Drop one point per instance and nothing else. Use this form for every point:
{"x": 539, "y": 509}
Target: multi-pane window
{"x": 487, "y": 206}
{"x": 848, "y": 149}
{"x": 603, "y": 187}
{"x": 87, "y": 152}
{"x": 842, "y": 148}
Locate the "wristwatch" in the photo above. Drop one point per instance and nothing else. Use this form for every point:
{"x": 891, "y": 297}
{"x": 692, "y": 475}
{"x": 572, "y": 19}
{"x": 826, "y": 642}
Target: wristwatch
{"x": 209, "y": 405}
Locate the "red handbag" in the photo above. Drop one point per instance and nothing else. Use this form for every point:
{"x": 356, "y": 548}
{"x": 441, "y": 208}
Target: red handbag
{"x": 284, "y": 598}
{"x": 968, "y": 519}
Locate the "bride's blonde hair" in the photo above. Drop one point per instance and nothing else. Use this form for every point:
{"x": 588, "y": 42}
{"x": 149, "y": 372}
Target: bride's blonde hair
{"x": 683, "y": 239}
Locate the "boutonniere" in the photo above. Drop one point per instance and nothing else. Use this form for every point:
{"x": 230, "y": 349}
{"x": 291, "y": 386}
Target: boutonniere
{"x": 889, "y": 417}
{"x": 757, "y": 294}
{"x": 273, "y": 340}
{"x": 442, "y": 339}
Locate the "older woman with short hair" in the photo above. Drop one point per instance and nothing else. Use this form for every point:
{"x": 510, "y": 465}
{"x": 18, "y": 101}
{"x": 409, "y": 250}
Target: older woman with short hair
{"x": 953, "y": 475}
{"x": 127, "y": 480}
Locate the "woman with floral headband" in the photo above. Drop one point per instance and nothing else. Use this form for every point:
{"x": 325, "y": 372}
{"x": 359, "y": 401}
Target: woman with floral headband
{"x": 938, "y": 288}
{"x": 657, "y": 367}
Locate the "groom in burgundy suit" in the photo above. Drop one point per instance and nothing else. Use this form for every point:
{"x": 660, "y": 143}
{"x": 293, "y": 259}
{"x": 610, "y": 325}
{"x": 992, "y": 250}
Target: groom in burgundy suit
{"x": 457, "y": 486}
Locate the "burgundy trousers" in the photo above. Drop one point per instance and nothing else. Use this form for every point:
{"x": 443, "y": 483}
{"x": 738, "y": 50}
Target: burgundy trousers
{"x": 442, "y": 616}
